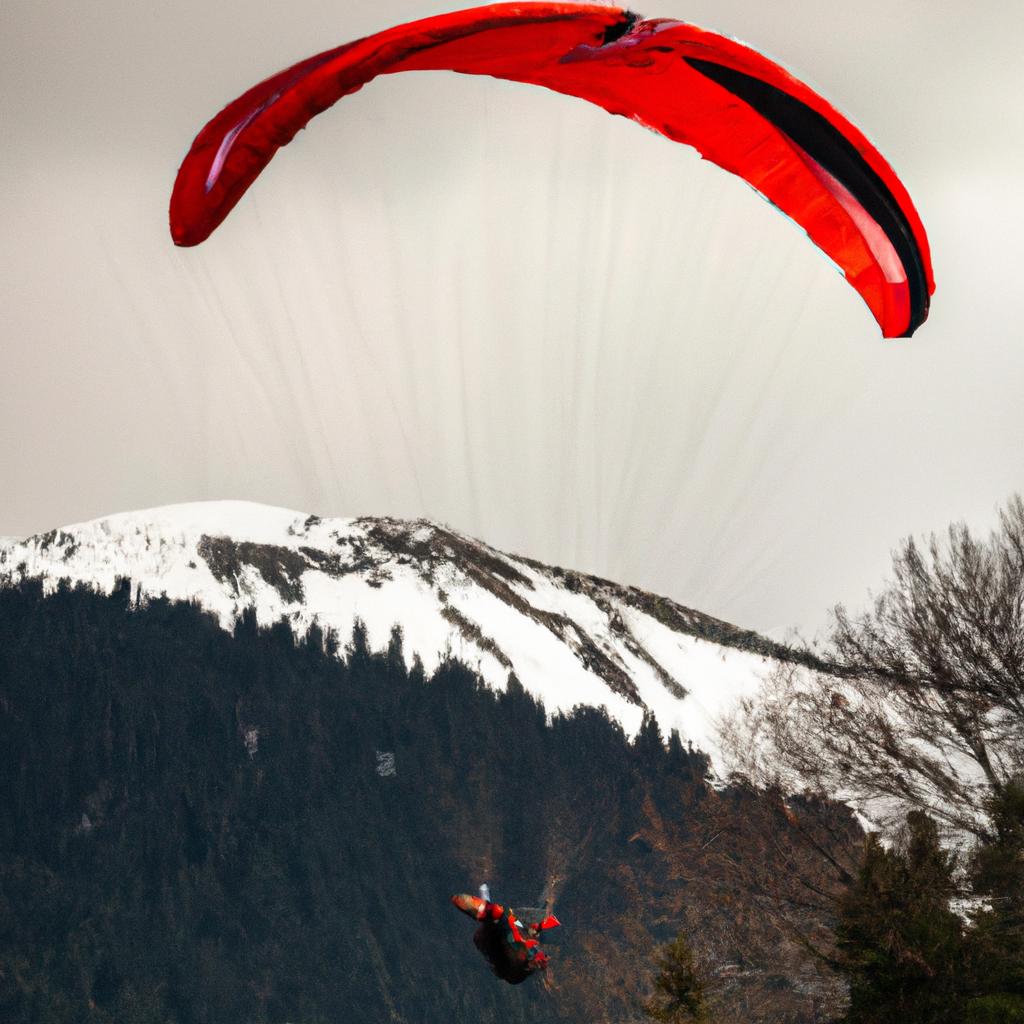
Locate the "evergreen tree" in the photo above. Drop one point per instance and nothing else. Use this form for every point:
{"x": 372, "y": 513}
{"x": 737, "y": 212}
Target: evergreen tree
{"x": 396, "y": 652}
{"x": 996, "y": 942}
{"x": 680, "y": 986}
{"x": 358, "y": 649}
{"x": 899, "y": 943}
{"x": 649, "y": 747}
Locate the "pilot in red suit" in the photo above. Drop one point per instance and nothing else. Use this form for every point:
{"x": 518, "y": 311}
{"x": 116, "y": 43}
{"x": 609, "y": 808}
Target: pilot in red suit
{"x": 511, "y": 947}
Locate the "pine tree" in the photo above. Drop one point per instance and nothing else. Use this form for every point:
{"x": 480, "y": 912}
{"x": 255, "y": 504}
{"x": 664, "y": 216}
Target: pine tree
{"x": 358, "y": 649}
{"x": 680, "y": 986}
{"x": 899, "y": 943}
{"x": 996, "y": 942}
{"x": 649, "y": 746}
{"x": 396, "y": 653}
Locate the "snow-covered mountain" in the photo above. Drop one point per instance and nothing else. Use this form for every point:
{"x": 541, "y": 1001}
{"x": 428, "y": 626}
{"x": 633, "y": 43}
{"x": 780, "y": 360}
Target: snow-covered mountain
{"x": 569, "y": 638}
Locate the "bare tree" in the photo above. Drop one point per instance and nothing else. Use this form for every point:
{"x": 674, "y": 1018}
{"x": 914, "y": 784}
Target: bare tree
{"x": 925, "y": 709}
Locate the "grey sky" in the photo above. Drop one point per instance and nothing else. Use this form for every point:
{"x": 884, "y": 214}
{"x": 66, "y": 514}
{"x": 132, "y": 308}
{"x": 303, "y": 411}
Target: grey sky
{"x": 504, "y": 309}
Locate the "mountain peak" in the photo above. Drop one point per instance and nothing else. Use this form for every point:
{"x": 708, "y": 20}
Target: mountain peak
{"x": 570, "y": 638}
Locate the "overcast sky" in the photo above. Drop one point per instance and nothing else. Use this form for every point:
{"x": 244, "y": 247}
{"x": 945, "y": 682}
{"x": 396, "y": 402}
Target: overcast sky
{"x": 504, "y": 309}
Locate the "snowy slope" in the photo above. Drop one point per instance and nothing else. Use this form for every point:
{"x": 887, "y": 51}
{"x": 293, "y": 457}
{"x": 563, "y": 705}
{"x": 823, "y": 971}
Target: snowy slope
{"x": 569, "y": 638}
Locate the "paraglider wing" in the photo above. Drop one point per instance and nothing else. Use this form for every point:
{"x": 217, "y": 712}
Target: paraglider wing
{"x": 736, "y": 107}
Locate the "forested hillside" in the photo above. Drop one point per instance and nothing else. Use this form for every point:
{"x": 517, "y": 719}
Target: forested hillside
{"x": 200, "y": 828}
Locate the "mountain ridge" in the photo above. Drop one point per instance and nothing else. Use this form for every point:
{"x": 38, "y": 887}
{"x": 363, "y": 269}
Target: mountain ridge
{"x": 569, "y": 637}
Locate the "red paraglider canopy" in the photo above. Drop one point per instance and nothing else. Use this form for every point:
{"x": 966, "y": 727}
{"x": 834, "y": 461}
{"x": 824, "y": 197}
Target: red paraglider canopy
{"x": 736, "y": 107}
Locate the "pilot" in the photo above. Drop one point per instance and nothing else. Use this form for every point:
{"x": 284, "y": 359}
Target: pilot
{"x": 510, "y": 947}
